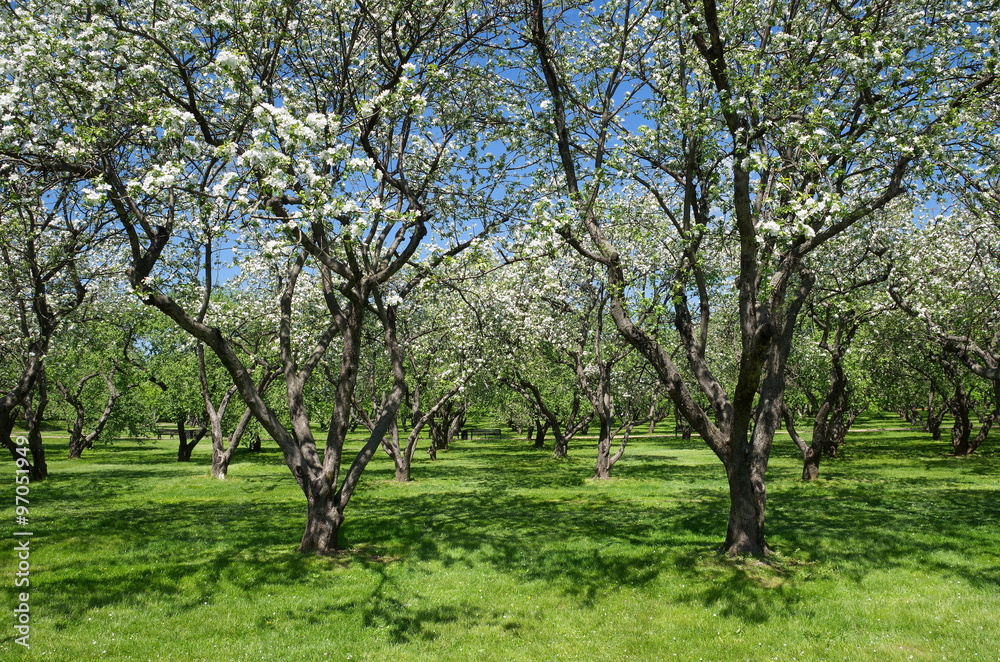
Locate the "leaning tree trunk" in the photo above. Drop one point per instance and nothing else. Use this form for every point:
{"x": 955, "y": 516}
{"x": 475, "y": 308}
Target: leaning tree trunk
{"x": 984, "y": 430}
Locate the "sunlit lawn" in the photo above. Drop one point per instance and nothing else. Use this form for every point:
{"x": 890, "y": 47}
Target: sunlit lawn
{"x": 498, "y": 552}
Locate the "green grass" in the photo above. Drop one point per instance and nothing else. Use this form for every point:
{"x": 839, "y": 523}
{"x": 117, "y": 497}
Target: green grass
{"x": 498, "y": 552}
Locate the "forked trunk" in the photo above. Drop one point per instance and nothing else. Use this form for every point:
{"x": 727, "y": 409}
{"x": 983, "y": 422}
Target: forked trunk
{"x": 561, "y": 448}
{"x": 221, "y": 457}
{"x": 810, "y": 456}
{"x": 76, "y": 447}
{"x": 402, "y": 457}
{"x": 605, "y": 459}
{"x": 323, "y": 520}
{"x": 187, "y": 440}
{"x": 76, "y": 443}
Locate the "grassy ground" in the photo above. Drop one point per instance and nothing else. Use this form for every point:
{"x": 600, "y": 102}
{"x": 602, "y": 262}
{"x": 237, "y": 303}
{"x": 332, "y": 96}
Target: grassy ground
{"x": 498, "y": 552}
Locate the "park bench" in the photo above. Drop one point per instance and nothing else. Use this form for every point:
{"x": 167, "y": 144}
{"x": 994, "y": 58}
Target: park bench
{"x": 481, "y": 433}
{"x": 170, "y": 432}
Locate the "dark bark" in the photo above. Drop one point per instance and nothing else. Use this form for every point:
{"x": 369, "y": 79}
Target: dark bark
{"x": 829, "y": 425}
{"x": 34, "y": 413}
{"x": 540, "y": 429}
{"x": 78, "y": 441}
{"x": 605, "y": 458}
{"x": 961, "y": 429}
{"x": 962, "y": 441}
{"x": 562, "y": 430}
{"x": 323, "y": 519}
{"x": 810, "y": 457}
{"x": 187, "y": 439}
{"x": 402, "y": 457}
{"x": 326, "y": 505}
{"x": 935, "y": 416}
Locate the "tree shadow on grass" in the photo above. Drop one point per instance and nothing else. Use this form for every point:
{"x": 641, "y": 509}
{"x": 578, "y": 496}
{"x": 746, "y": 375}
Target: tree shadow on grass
{"x": 518, "y": 511}
{"x": 404, "y": 617}
{"x": 862, "y": 527}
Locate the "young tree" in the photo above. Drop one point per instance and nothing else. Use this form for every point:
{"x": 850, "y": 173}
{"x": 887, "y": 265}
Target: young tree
{"x": 44, "y": 240}
{"x": 846, "y": 297}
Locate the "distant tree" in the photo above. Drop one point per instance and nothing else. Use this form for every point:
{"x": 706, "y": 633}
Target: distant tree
{"x": 45, "y": 237}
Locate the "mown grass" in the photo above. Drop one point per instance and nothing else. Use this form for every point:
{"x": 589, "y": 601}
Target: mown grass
{"x": 498, "y": 552}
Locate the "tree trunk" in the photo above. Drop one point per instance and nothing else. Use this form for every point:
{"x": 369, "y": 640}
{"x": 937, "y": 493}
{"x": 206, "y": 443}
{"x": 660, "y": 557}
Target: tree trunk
{"x": 747, "y": 499}
{"x": 961, "y": 430}
{"x": 810, "y": 464}
{"x": 605, "y": 460}
{"x": 540, "y": 430}
{"x": 934, "y": 419}
{"x": 602, "y": 469}
{"x": 829, "y": 428}
{"x": 33, "y": 415}
{"x": 77, "y": 440}
{"x": 561, "y": 447}
{"x": 323, "y": 520}
{"x": 988, "y": 420}
{"x": 984, "y": 430}
{"x": 221, "y": 457}
{"x": 188, "y": 440}
{"x": 401, "y": 459}
{"x": 457, "y": 421}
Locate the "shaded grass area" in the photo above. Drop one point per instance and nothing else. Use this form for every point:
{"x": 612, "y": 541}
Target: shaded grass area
{"x": 498, "y": 552}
